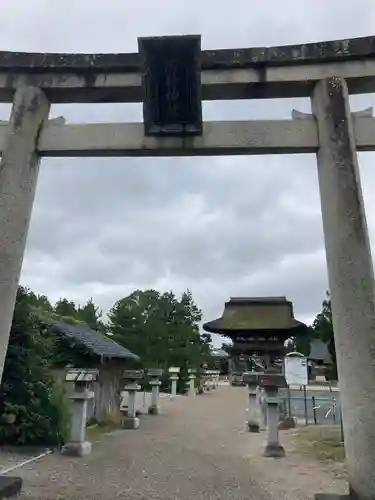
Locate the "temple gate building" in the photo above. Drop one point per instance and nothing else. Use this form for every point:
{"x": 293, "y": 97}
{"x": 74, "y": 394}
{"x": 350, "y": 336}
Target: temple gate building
{"x": 258, "y": 328}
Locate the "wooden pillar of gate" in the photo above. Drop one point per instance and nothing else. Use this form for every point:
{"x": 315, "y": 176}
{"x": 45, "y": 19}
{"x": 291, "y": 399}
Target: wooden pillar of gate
{"x": 19, "y": 169}
{"x": 351, "y": 278}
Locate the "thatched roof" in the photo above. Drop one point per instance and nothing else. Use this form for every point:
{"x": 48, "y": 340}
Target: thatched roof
{"x": 254, "y": 314}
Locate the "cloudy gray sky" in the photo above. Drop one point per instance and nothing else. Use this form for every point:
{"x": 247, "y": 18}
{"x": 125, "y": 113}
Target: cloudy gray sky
{"x": 220, "y": 226}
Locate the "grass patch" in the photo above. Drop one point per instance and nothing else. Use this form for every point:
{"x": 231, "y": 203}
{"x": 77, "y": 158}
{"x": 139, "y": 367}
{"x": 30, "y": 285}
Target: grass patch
{"x": 95, "y": 431}
{"x": 109, "y": 423}
{"x": 321, "y": 442}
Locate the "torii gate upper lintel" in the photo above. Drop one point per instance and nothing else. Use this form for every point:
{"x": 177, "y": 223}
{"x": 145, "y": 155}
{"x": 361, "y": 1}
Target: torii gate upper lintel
{"x": 172, "y": 94}
{"x": 247, "y": 73}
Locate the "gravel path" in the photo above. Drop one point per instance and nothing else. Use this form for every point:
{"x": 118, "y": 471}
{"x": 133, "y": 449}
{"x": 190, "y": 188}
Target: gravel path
{"x": 197, "y": 449}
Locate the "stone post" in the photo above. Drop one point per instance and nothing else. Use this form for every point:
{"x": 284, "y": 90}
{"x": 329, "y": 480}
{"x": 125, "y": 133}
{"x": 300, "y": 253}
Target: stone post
{"x": 130, "y": 419}
{"x": 19, "y": 168}
{"x": 271, "y": 382}
{"x": 230, "y": 370}
{"x": 252, "y": 381}
{"x": 191, "y": 376}
{"x": 207, "y": 381}
{"x": 212, "y": 374}
{"x": 351, "y": 279}
{"x": 262, "y": 408}
{"x": 82, "y": 378}
{"x": 173, "y": 377}
{"x": 217, "y": 378}
{"x": 201, "y": 381}
{"x": 154, "y": 374}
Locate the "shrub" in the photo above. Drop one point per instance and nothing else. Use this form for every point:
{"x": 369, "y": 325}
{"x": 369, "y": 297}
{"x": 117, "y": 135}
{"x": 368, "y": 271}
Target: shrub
{"x": 32, "y": 409}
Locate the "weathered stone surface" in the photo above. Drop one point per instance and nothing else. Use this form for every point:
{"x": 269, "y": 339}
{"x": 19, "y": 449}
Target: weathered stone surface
{"x": 251, "y": 378}
{"x": 77, "y": 449}
{"x": 130, "y": 422}
{"x": 285, "y": 71}
{"x": 133, "y": 374}
{"x": 332, "y": 496}
{"x": 272, "y": 380}
{"x": 155, "y": 372}
{"x": 253, "y": 427}
{"x": 10, "y": 486}
{"x": 351, "y": 278}
{"x": 327, "y": 51}
{"x": 274, "y": 451}
{"x": 154, "y": 410}
{"x": 19, "y": 168}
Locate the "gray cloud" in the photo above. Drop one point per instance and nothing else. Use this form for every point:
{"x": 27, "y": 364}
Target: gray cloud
{"x": 220, "y": 226}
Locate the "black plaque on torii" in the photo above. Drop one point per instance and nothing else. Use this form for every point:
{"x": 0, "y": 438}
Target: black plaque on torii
{"x": 171, "y": 81}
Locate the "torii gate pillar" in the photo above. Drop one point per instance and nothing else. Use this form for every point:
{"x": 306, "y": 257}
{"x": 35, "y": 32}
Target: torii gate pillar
{"x": 351, "y": 279}
{"x": 19, "y": 168}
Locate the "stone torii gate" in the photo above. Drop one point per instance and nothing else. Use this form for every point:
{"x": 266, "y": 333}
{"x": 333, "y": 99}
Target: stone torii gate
{"x": 171, "y": 75}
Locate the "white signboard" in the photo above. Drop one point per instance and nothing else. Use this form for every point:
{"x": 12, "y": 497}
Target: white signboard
{"x": 295, "y": 370}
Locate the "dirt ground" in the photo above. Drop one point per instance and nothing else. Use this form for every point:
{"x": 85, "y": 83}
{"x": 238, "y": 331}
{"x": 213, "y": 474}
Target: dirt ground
{"x": 197, "y": 448}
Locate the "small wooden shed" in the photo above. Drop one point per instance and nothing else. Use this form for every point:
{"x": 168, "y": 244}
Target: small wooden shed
{"x": 103, "y": 353}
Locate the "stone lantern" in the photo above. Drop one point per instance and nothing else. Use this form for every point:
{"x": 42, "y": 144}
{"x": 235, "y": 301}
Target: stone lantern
{"x": 191, "y": 382}
{"x": 82, "y": 379}
{"x": 132, "y": 379}
{"x": 154, "y": 375}
{"x": 173, "y": 377}
{"x": 271, "y": 382}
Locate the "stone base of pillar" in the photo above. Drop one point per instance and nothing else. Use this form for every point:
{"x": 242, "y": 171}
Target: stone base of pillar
{"x": 10, "y": 486}
{"x": 333, "y": 496}
{"x": 74, "y": 449}
{"x": 138, "y": 413}
{"x": 154, "y": 410}
{"x": 130, "y": 422}
{"x": 253, "y": 426}
{"x": 274, "y": 450}
{"x": 287, "y": 423}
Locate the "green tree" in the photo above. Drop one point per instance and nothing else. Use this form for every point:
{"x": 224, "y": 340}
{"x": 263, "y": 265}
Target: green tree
{"x": 303, "y": 341}
{"x": 38, "y": 301}
{"x": 162, "y": 329}
{"x": 32, "y": 410}
{"x": 64, "y": 307}
{"x": 91, "y": 315}
{"x": 323, "y": 329}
